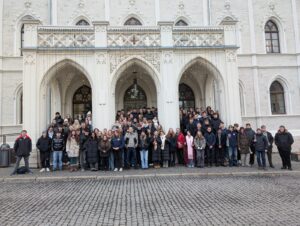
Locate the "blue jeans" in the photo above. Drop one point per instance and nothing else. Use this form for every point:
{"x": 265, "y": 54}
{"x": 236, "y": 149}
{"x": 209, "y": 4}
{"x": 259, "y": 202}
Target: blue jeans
{"x": 261, "y": 158}
{"x": 232, "y": 151}
{"x": 131, "y": 157}
{"x": 57, "y": 157}
{"x": 111, "y": 161}
{"x": 144, "y": 158}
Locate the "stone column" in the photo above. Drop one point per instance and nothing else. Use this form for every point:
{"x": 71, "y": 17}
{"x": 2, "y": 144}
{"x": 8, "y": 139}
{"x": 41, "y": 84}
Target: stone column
{"x": 30, "y": 106}
{"x": 101, "y": 107}
{"x": 232, "y": 77}
{"x": 168, "y": 105}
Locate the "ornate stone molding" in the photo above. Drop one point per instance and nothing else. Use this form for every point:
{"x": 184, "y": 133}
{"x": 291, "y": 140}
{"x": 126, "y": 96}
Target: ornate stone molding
{"x": 183, "y": 39}
{"x": 231, "y": 55}
{"x": 151, "y": 57}
{"x": 168, "y": 57}
{"x": 29, "y": 59}
{"x": 272, "y": 13}
{"x": 80, "y": 12}
{"x": 101, "y": 58}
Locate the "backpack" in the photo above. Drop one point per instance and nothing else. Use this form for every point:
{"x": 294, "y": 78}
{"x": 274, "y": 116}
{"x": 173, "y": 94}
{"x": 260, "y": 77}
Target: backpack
{"x": 21, "y": 170}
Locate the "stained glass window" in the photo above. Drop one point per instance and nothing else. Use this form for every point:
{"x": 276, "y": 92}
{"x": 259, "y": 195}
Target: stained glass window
{"x": 186, "y": 97}
{"x": 82, "y": 101}
{"x": 135, "y": 98}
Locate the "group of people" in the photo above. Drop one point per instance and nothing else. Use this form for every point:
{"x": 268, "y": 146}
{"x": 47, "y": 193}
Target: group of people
{"x": 138, "y": 140}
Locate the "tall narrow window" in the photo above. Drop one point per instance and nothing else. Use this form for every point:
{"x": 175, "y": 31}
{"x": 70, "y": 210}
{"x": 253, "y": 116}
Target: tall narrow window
{"x": 82, "y": 23}
{"x": 186, "y": 97}
{"x": 277, "y": 98}
{"x": 181, "y": 23}
{"x": 22, "y": 39}
{"x": 272, "y": 37}
{"x": 132, "y": 22}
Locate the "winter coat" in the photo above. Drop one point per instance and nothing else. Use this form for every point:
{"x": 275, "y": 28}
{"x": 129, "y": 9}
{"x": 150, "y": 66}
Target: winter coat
{"x": 180, "y": 140}
{"x": 284, "y": 141}
{"x": 117, "y": 142}
{"x": 222, "y": 140}
{"x": 171, "y": 142}
{"x": 131, "y": 140}
{"x": 210, "y": 139}
{"x": 144, "y": 143}
{"x": 260, "y": 142}
{"x": 104, "y": 147}
{"x": 165, "y": 150}
{"x": 72, "y": 147}
{"x": 232, "y": 137}
{"x": 58, "y": 144}
{"x": 189, "y": 144}
{"x": 215, "y": 123}
{"x": 82, "y": 138}
{"x": 243, "y": 143}
{"x": 191, "y": 127}
{"x": 199, "y": 144}
{"x": 44, "y": 144}
{"x": 91, "y": 148}
{"x": 270, "y": 139}
{"x": 250, "y": 133}
{"x": 23, "y": 146}
{"x": 156, "y": 151}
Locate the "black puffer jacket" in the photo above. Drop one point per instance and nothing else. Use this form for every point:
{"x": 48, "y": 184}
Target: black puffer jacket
{"x": 44, "y": 144}
{"x": 58, "y": 144}
{"x": 284, "y": 141}
{"x": 260, "y": 142}
{"x": 91, "y": 148}
{"x": 23, "y": 146}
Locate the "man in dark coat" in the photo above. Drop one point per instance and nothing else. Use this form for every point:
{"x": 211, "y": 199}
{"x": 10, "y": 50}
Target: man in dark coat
{"x": 215, "y": 122}
{"x": 284, "y": 141}
{"x": 270, "y": 140}
{"x": 22, "y": 147}
{"x": 44, "y": 146}
{"x": 250, "y": 133}
{"x": 210, "y": 146}
{"x": 261, "y": 145}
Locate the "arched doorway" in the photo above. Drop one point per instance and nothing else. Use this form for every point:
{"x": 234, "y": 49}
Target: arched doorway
{"x": 186, "y": 97}
{"x": 200, "y": 86}
{"x": 135, "y": 97}
{"x": 66, "y": 89}
{"x": 82, "y": 101}
{"x": 135, "y": 87}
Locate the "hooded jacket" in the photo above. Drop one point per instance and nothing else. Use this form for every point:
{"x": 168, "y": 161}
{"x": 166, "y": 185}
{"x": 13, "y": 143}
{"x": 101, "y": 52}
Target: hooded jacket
{"x": 23, "y": 146}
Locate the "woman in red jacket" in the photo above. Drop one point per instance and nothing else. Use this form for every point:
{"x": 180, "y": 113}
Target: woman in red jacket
{"x": 181, "y": 146}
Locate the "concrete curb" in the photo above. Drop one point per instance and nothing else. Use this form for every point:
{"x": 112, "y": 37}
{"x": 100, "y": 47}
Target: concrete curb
{"x": 102, "y": 177}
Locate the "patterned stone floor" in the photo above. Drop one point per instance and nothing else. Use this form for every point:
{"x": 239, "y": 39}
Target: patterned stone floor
{"x": 172, "y": 200}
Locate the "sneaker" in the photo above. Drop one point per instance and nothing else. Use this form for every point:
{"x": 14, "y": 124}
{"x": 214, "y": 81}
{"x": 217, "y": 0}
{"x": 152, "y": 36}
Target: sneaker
{"x": 12, "y": 174}
{"x": 121, "y": 169}
{"x": 42, "y": 170}
{"x": 116, "y": 169}
{"x": 47, "y": 169}
{"x": 82, "y": 170}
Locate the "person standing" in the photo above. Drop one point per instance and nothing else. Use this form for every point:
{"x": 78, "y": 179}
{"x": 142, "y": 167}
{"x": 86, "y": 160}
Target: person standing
{"x": 83, "y": 137}
{"x": 200, "y": 144}
{"x": 171, "y": 142}
{"x": 180, "y": 146}
{"x": 261, "y": 145}
{"x": 58, "y": 146}
{"x": 131, "y": 141}
{"x": 104, "y": 147}
{"x": 91, "y": 148}
{"x": 72, "y": 149}
{"x": 220, "y": 147}
{"x": 144, "y": 146}
{"x": 165, "y": 153}
{"x": 117, "y": 144}
{"x": 244, "y": 146}
{"x": 44, "y": 146}
{"x": 156, "y": 150}
{"x": 210, "y": 146}
{"x": 250, "y": 133}
{"x": 284, "y": 141}
{"x": 190, "y": 149}
{"x": 232, "y": 146}
{"x": 270, "y": 140}
{"x": 22, "y": 147}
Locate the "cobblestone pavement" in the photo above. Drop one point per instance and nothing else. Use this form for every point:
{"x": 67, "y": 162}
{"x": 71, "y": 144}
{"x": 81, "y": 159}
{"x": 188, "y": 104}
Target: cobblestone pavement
{"x": 228, "y": 200}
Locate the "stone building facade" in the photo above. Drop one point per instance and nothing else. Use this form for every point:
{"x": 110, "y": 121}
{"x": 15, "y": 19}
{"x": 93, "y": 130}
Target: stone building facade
{"x": 240, "y": 57}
